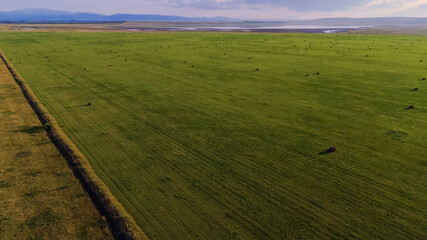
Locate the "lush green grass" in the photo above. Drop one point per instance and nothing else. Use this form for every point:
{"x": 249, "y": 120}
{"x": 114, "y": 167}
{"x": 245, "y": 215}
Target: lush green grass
{"x": 222, "y": 151}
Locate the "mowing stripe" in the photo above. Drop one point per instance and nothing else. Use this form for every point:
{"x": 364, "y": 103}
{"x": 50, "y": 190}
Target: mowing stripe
{"x": 120, "y": 222}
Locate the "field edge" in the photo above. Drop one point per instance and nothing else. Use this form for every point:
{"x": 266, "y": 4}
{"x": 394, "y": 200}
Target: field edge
{"x": 122, "y": 225}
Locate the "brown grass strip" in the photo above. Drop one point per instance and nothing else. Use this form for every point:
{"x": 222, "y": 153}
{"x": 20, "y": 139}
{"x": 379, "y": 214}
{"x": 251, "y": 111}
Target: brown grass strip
{"x": 122, "y": 225}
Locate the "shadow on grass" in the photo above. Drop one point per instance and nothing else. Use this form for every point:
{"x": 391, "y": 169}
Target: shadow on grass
{"x": 4, "y": 184}
{"x": 32, "y": 129}
{"x": 62, "y": 188}
{"x": 78, "y": 106}
{"x": 23, "y": 154}
{"x": 326, "y": 152}
{"x": 46, "y": 218}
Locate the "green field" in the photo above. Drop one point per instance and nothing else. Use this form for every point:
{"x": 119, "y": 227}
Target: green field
{"x": 198, "y": 144}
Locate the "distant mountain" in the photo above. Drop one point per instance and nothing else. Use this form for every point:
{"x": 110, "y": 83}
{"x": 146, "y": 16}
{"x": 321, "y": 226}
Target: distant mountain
{"x": 44, "y": 15}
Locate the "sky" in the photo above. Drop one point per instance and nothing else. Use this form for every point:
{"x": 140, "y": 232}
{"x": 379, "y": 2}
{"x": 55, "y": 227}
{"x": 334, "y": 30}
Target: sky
{"x": 242, "y": 9}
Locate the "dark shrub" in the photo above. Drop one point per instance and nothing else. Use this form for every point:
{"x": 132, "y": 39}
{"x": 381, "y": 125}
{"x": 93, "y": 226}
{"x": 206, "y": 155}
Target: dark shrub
{"x": 47, "y": 126}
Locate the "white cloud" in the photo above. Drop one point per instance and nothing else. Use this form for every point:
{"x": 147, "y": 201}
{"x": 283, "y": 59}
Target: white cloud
{"x": 279, "y": 9}
{"x": 392, "y": 7}
{"x": 402, "y": 4}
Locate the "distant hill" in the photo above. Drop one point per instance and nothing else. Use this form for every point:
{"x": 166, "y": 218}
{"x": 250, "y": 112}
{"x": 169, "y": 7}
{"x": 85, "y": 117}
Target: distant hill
{"x": 44, "y": 15}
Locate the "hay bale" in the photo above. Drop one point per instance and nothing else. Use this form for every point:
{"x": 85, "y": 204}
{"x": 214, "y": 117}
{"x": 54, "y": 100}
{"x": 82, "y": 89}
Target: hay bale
{"x": 332, "y": 149}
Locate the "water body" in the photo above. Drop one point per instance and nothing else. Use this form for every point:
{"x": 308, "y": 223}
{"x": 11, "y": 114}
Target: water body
{"x": 239, "y": 27}
{"x": 314, "y": 27}
{"x": 207, "y": 27}
{"x": 25, "y": 28}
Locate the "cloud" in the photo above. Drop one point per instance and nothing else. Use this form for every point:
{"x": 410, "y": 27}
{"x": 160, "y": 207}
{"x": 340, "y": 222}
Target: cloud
{"x": 394, "y": 7}
{"x": 298, "y": 5}
{"x": 419, "y": 11}
{"x": 243, "y": 9}
{"x": 402, "y": 4}
{"x": 204, "y": 4}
